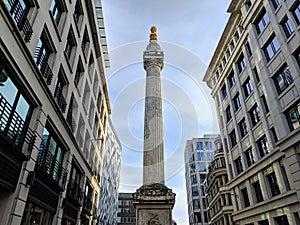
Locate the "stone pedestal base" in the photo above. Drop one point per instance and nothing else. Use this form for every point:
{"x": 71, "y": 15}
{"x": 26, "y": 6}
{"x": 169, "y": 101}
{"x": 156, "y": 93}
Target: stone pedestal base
{"x": 154, "y": 204}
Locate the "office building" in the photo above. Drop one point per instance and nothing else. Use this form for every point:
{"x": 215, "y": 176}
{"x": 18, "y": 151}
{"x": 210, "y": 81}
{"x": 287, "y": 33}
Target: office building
{"x": 54, "y": 109}
{"x": 198, "y": 154}
{"x": 110, "y": 178}
{"x": 254, "y": 75}
{"x": 126, "y": 210}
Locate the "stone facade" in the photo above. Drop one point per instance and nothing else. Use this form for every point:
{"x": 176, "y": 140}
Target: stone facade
{"x": 254, "y": 77}
{"x": 54, "y": 109}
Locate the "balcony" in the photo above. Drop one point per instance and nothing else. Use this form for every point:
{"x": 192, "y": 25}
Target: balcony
{"x": 75, "y": 193}
{"x": 51, "y": 168}
{"x": 14, "y": 130}
{"x": 20, "y": 17}
{"x": 41, "y": 59}
{"x": 61, "y": 101}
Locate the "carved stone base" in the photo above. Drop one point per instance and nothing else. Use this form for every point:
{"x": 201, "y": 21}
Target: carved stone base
{"x": 154, "y": 204}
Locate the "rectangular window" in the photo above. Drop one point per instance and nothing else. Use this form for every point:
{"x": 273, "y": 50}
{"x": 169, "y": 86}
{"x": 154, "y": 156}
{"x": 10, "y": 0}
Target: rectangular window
{"x": 74, "y": 187}
{"x": 195, "y": 191}
{"x": 70, "y": 43}
{"x": 247, "y": 87}
{"x": 208, "y": 145}
{"x": 56, "y": 10}
{"x": 256, "y": 74}
{"x": 296, "y": 12}
{"x": 287, "y": 27}
{"x": 262, "y": 21}
{"x": 293, "y": 117}
{"x": 194, "y": 179}
{"x": 201, "y": 166}
{"x": 254, "y": 115}
{"x": 249, "y": 157}
{"x": 200, "y": 155}
{"x": 257, "y": 191}
{"x": 69, "y": 118}
{"x": 237, "y": 102}
{"x": 245, "y": 197}
{"x": 34, "y": 214}
{"x": 297, "y": 56}
{"x": 263, "y": 222}
{"x": 192, "y": 168}
{"x": 224, "y": 92}
{"x": 281, "y": 220}
{"x": 78, "y": 12}
{"x": 238, "y": 165}
{"x": 243, "y": 127}
{"x": 283, "y": 79}
{"x": 265, "y": 104}
{"x": 232, "y": 137}
{"x": 273, "y": 132}
{"x": 241, "y": 63}
{"x": 275, "y": 3}
{"x": 202, "y": 177}
{"x": 248, "y": 4}
{"x": 249, "y": 51}
{"x": 231, "y": 79}
{"x": 85, "y": 43}
{"x": 272, "y": 180}
{"x": 271, "y": 48}
{"x": 263, "y": 146}
{"x": 78, "y": 74}
{"x": 199, "y": 145}
{"x": 228, "y": 114}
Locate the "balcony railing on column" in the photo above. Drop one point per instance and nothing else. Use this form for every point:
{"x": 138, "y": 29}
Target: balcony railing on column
{"x": 61, "y": 101}
{"x": 41, "y": 61}
{"x": 20, "y": 17}
{"x": 14, "y": 129}
{"x": 51, "y": 167}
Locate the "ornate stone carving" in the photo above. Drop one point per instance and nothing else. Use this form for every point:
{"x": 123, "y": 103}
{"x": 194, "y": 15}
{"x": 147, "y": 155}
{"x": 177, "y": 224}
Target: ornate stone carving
{"x": 154, "y": 220}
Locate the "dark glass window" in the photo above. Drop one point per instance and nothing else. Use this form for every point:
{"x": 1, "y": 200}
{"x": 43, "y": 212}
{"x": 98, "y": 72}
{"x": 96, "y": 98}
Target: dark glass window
{"x": 34, "y": 214}
{"x": 257, "y": 191}
{"x": 78, "y": 74}
{"x": 85, "y": 42}
{"x": 56, "y": 10}
{"x": 194, "y": 179}
{"x": 274, "y": 134}
{"x": 196, "y": 204}
{"x": 256, "y": 74}
{"x": 283, "y": 79}
{"x": 287, "y": 27}
{"x": 224, "y": 92}
{"x": 271, "y": 48}
{"x": 296, "y": 12}
{"x": 197, "y": 217}
{"x": 15, "y": 110}
{"x": 238, "y": 165}
{"x": 231, "y": 79}
{"x": 265, "y": 104}
{"x": 69, "y": 118}
{"x": 70, "y": 44}
{"x": 248, "y": 4}
{"x": 195, "y": 191}
{"x": 281, "y": 220}
{"x": 201, "y": 166}
{"x": 241, "y": 63}
{"x": 199, "y": 145}
{"x": 78, "y": 11}
{"x": 237, "y": 102}
{"x": 249, "y": 51}
{"x": 245, "y": 197}
{"x": 262, "y": 21}
{"x": 202, "y": 177}
{"x": 249, "y": 157}
{"x": 50, "y": 156}
{"x": 274, "y": 188}
{"x": 247, "y": 86}
{"x": 58, "y": 91}
{"x": 263, "y": 146}
{"x": 263, "y": 222}
{"x": 243, "y": 127}
{"x": 192, "y": 168}
{"x": 293, "y": 117}
{"x": 208, "y": 145}
{"x": 275, "y": 3}
{"x": 228, "y": 114}
{"x": 297, "y": 56}
{"x": 254, "y": 115}
{"x": 232, "y": 137}
{"x": 200, "y": 155}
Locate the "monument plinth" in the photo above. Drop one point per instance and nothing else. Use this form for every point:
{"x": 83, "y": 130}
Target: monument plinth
{"x": 153, "y": 201}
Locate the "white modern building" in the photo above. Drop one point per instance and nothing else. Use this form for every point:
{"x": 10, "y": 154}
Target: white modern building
{"x": 198, "y": 154}
{"x": 54, "y": 109}
{"x": 254, "y": 75}
{"x": 110, "y": 178}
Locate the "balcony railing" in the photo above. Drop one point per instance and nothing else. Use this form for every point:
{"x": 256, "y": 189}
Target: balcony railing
{"x": 53, "y": 169}
{"x": 14, "y": 130}
{"x": 71, "y": 122}
{"x": 42, "y": 62}
{"x": 61, "y": 101}
{"x": 20, "y": 17}
{"x": 75, "y": 192}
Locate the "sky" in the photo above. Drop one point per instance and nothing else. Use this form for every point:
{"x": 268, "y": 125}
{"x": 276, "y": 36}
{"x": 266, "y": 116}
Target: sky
{"x": 188, "y": 32}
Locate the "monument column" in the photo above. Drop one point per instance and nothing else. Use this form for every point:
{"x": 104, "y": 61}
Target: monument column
{"x": 153, "y": 201}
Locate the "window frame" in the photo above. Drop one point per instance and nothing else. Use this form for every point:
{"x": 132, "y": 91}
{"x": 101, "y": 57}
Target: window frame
{"x": 287, "y": 27}
{"x": 271, "y": 47}
{"x": 263, "y": 146}
{"x": 262, "y": 21}
{"x": 255, "y": 114}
